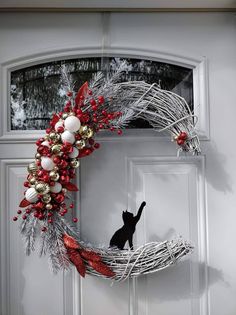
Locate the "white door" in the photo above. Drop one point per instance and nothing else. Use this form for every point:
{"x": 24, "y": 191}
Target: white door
{"x": 190, "y": 196}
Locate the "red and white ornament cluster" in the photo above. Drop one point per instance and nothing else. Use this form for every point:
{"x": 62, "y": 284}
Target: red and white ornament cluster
{"x": 69, "y": 138}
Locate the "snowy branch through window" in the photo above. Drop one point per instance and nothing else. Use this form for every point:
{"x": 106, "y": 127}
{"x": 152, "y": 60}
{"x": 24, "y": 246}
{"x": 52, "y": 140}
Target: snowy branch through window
{"x": 36, "y": 91}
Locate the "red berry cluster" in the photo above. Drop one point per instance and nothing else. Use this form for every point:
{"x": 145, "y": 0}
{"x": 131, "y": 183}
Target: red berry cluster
{"x": 181, "y": 138}
{"x": 51, "y": 174}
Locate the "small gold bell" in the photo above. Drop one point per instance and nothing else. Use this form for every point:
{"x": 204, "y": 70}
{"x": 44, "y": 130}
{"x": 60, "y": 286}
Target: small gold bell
{"x": 52, "y": 135}
{"x": 80, "y": 144}
{"x": 64, "y": 115}
{"x": 48, "y": 206}
{"x": 56, "y": 148}
{"x": 86, "y": 132}
{"x": 54, "y": 176}
{"x": 32, "y": 180}
{"x": 32, "y": 168}
{"x": 42, "y": 188}
{"x": 38, "y": 156}
{"x": 75, "y": 163}
{"x": 46, "y": 198}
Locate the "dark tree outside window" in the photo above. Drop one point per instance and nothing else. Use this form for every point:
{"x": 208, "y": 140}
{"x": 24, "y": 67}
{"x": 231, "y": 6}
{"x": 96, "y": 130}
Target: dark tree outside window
{"x": 36, "y": 91}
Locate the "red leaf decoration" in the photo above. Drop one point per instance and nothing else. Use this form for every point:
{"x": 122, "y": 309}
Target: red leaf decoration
{"x": 24, "y": 203}
{"x": 90, "y": 255}
{"x": 70, "y": 187}
{"x": 70, "y": 242}
{"x": 102, "y": 268}
{"x": 76, "y": 259}
{"x": 54, "y": 120}
{"x": 82, "y": 92}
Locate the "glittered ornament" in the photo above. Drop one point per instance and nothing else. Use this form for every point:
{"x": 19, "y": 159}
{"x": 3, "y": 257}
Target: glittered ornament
{"x": 67, "y": 136}
{"x": 31, "y": 195}
{"x": 42, "y": 188}
{"x": 47, "y": 163}
{"x": 80, "y": 144}
{"x": 32, "y": 168}
{"x": 56, "y": 188}
{"x": 72, "y": 124}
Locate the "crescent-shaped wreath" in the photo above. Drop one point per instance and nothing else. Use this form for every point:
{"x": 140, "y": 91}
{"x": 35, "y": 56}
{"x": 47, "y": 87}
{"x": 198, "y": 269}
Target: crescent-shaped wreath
{"x": 104, "y": 103}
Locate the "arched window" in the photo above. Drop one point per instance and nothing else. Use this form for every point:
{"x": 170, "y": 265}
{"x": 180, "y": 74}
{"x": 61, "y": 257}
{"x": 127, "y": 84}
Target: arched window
{"x": 36, "y": 91}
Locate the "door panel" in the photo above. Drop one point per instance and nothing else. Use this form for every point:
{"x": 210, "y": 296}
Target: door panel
{"x": 111, "y": 179}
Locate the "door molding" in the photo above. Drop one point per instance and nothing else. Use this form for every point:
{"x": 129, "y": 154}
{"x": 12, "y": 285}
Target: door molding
{"x": 194, "y": 169}
{"x": 198, "y": 64}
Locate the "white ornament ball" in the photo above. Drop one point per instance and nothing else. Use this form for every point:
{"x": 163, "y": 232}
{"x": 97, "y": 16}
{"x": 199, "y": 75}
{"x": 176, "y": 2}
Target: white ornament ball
{"x": 67, "y": 136}
{"x": 46, "y": 143}
{"x": 74, "y": 153}
{"x": 60, "y": 123}
{"x": 72, "y": 124}
{"x": 31, "y": 195}
{"x": 56, "y": 188}
{"x": 47, "y": 163}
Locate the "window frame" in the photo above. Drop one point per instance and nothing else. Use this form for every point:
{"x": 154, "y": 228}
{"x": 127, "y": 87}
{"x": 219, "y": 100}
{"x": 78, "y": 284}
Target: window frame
{"x": 197, "y": 64}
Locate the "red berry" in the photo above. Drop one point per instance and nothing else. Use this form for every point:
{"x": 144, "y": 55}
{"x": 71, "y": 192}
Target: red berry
{"x": 28, "y": 211}
{"x": 19, "y": 211}
{"x": 71, "y": 205}
{"x": 14, "y": 218}
{"x": 119, "y": 132}
{"x": 69, "y": 93}
{"x": 48, "y": 130}
{"x": 96, "y": 145}
{"x": 183, "y": 135}
{"x": 101, "y": 99}
{"x": 75, "y": 220}
{"x": 26, "y": 184}
{"x": 94, "y": 108}
{"x": 93, "y": 102}
{"x": 60, "y": 129}
{"x": 24, "y": 217}
{"x": 180, "y": 141}
{"x": 44, "y": 229}
{"x": 50, "y": 220}
{"x": 36, "y": 214}
{"x": 104, "y": 113}
{"x": 90, "y": 92}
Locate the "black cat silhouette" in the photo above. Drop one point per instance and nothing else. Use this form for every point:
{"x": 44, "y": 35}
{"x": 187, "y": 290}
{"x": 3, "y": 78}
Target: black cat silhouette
{"x": 125, "y": 233}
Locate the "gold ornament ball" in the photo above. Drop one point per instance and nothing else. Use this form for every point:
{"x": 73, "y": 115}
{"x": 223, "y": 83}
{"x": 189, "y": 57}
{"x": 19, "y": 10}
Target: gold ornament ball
{"x": 54, "y": 176}
{"x": 48, "y": 206}
{"x": 32, "y": 168}
{"x": 42, "y": 188}
{"x": 56, "y": 148}
{"x": 75, "y": 163}
{"x": 52, "y": 135}
{"x": 38, "y": 156}
{"x": 80, "y": 144}
{"x": 86, "y": 132}
{"x": 64, "y": 190}
{"x": 32, "y": 180}
{"x": 46, "y": 198}
{"x": 64, "y": 115}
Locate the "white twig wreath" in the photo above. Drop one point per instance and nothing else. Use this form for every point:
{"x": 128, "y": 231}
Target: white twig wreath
{"x": 104, "y": 103}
